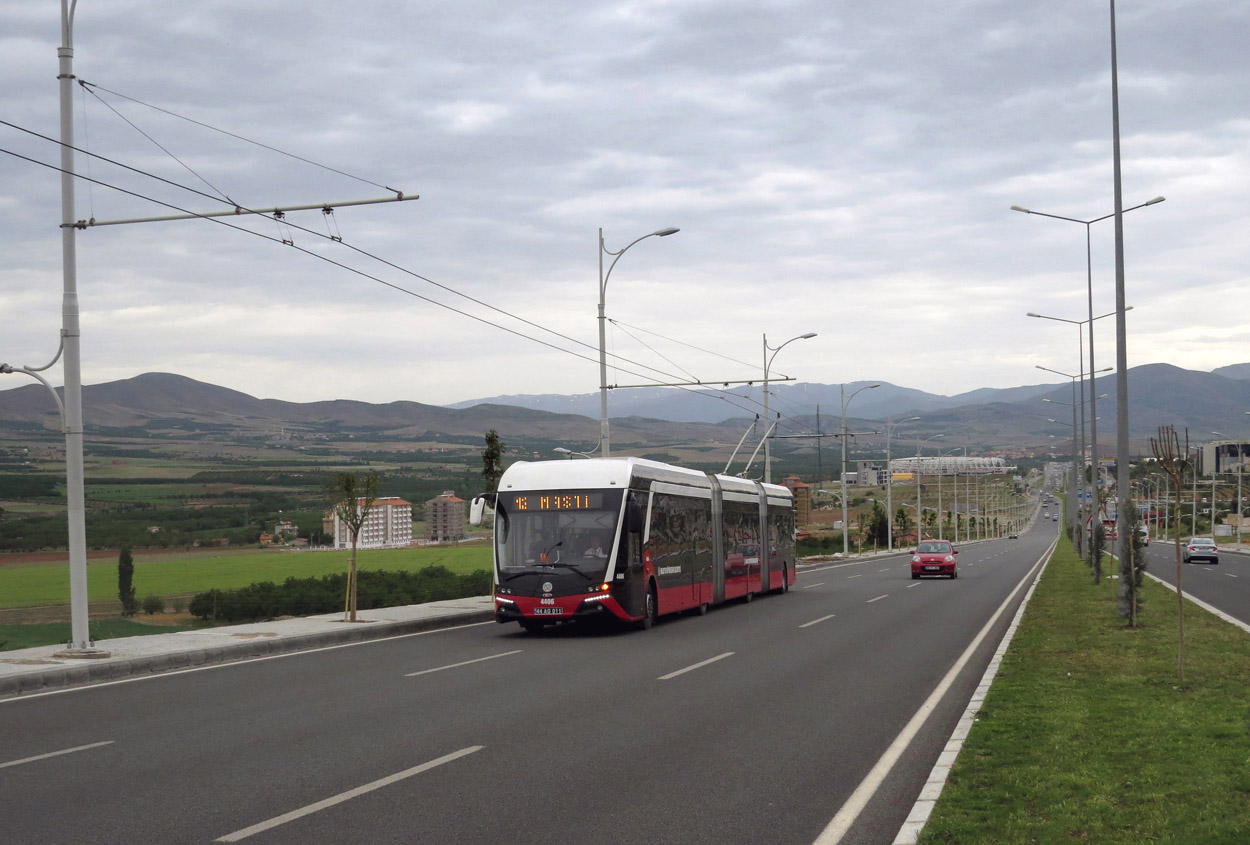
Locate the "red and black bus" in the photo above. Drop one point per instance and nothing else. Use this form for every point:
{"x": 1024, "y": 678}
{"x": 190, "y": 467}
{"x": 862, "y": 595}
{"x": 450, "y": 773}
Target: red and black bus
{"x": 632, "y": 539}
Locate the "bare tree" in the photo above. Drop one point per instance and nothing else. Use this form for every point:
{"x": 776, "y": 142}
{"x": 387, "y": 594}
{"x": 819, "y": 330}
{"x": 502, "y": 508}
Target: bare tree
{"x": 354, "y": 496}
{"x": 1167, "y": 451}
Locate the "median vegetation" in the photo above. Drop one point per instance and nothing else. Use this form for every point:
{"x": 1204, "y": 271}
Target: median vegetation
{"x": 1087, "y": 735}
{"x": 306, "y": 596}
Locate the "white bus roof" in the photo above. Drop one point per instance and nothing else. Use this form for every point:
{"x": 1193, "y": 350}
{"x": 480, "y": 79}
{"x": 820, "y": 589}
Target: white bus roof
{"x": 606, "y": 473}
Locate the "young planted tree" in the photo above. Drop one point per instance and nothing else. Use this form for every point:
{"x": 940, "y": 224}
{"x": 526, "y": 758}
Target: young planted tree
{"x": 126, "y": 582}
{"x": 901, "y": 523}
{"x": 1175, "y": 463}
{"x": 492, "y": 460}
{"x": 1130, "y": 527}
{"x": 354, "y": 496}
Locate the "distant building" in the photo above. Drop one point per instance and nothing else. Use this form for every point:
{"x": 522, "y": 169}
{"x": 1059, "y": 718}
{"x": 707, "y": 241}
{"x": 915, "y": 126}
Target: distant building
{"x": 1223, "y": 456}
{"x": 388, "y": 525}
{"x": 445, "y": 518}
{"x": 802, "y": 499}
{"x": 871, "y": 472}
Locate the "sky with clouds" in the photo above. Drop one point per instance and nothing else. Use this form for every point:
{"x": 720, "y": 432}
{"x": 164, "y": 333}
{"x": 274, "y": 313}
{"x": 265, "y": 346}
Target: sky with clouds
{"x": 844, "y": 167}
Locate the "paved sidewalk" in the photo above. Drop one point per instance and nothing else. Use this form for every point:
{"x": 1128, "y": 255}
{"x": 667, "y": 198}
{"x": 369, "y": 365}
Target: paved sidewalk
{"x": 38, "y": 669}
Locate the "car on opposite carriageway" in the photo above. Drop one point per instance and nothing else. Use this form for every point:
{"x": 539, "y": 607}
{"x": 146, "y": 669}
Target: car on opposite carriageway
{"x": 934, "y": 557}
{"x": 1200, "y": 548}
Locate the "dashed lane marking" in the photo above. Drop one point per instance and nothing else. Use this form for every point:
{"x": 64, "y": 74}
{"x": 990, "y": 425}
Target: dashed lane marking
{"x": 346, "y": 796}
{"x": 698, "y": 665}
{"x": 55, "y": 754}
{"x": 462, "y": 663}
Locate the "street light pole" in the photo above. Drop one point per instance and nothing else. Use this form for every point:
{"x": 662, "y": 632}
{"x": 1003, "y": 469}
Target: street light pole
{"x": 1093, "y": 400}
{"x": 889, "y": 481}
{"x": 768, "y": 360}
{"x": 846, "y": 400}
{"x": 604, "y": 438}
{"x": 918, "y": 511}
{"x": 1121, "y": 354}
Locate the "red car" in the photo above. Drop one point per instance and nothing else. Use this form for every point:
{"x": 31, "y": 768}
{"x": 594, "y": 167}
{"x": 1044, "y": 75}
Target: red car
{"x": 934, "y": 557}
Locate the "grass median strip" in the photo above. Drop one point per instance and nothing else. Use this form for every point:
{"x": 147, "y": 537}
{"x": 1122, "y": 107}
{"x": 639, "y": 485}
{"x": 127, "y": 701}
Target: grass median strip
{"x": 1086, "y": 734}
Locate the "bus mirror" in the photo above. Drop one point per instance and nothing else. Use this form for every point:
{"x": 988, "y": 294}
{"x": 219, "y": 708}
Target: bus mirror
{"x": 633, "y": 515}
{"x": 478, "y": 504}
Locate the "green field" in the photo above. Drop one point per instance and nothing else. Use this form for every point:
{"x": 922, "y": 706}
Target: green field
{"x": 42, "y": 584}
{"x": 1088, "y": 735}
{"x": 29, "y": 636}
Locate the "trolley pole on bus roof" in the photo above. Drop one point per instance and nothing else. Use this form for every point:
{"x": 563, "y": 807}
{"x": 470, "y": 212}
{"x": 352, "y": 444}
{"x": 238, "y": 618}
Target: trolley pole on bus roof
{"x": 603, "y": 354}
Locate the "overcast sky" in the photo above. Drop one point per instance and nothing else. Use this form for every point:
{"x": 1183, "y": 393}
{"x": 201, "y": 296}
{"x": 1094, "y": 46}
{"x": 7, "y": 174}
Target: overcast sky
{"x": 843, "y": 167}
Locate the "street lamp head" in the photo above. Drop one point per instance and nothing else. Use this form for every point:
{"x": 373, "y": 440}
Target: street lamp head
{"x": 807, "y": 336}
{"x": 1155, "y": 200}
{"x": 664, "y": 233}
{"x": 871, "y": 386}
{"x": 1020, "y": 208}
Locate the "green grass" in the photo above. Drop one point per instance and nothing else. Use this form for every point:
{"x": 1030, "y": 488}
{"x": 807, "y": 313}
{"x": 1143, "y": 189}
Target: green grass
{"x": 42, "y": 584}
{"x": 29, "y": 636}
{"x": 1088, "y": 735}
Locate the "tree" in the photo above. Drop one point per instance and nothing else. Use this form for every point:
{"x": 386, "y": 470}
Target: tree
{"x": 354, "y": 496}
{"x": 1175, "y": 463}
{"x": 878, "y": 525}
{"x": 901, "y": 523}
{"x": 492, "y": 460}
{"x": 126, "y": 582}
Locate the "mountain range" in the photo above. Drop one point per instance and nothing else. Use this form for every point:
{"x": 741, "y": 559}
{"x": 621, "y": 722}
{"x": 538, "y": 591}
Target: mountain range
{"x": 1159, "y": 394}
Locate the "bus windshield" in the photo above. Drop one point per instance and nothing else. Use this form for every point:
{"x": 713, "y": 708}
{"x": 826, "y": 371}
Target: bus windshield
{"x": 556, "y": 530}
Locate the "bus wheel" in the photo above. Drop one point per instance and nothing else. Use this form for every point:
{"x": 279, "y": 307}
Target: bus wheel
{"x": 785, "y": 579}
{"x": 649, "y": 612}
{"x": 749, "y": 597}
{"x": 703, "y": 609}
{"x": 531, "y": 627}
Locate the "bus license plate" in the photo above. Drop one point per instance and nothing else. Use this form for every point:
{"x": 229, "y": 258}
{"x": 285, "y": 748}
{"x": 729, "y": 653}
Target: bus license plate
{"x": 548, "y": 611}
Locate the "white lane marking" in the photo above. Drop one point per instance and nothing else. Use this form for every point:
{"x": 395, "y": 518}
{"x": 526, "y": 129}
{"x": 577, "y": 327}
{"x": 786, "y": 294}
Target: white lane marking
{"x": 54, "y": 754}
{"x": 462, "y": 663}
{"x": 698, "y": 665}
{"x": 846, "y": 816}
{"x": 228, "y": 664}
{"x": 346, "y": 796}
{"x": 1226, "y": 617}
{"x": 885, "y": 570}
{"x": 909, "y": 833}
{"x": 814, "y": 621}
{"x": 860, "y": 575}
{"x": 1230, "y": 575}
{"x": 878, "y": 598}
{"x": 917, "y": 584}
{"x": 809, "y": 586}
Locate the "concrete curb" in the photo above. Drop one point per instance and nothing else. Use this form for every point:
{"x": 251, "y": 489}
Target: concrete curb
{"x": 62, "y": 676}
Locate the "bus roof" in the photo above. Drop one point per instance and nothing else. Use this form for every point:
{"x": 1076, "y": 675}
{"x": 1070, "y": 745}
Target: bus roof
{"x": 593, "y": 473}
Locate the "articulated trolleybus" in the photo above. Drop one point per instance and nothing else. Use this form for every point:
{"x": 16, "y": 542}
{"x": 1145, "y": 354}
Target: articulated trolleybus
{"x": 632, "y": 539}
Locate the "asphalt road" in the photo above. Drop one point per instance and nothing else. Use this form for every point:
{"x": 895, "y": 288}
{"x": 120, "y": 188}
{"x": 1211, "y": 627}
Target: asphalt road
{"x": 1225, "y": 586}
{"x": 754, "y": 723}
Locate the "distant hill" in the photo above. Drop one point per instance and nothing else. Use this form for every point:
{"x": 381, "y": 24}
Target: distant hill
{"x": 1233, "y": 371}
{"x": 708, "y": 406}
{"x": 164, "y": 402}
{"x": 1160, "y": 394}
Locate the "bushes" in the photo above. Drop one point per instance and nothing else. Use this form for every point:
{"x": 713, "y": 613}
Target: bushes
{"x": 305, "y": 596}
{"x": 820, "y": 545}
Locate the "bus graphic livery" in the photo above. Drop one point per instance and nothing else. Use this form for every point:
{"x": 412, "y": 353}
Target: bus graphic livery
{"x": 632, "y": 539}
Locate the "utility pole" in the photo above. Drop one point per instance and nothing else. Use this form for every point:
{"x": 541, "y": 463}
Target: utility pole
{"x": 80, "y": 644}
